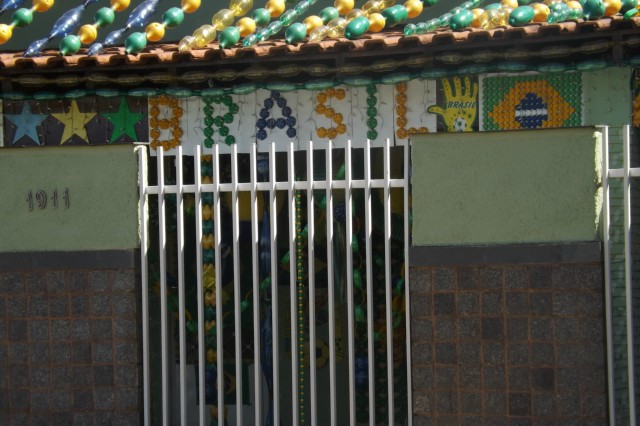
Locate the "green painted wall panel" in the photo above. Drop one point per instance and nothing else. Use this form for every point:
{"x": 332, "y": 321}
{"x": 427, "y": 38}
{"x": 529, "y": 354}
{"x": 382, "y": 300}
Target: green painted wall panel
{"x": 102, "y": 209}
{"x": 506, "y": 187}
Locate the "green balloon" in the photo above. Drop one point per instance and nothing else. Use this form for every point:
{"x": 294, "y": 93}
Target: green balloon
{"x": 22, "y": 17}
{"x": 593, "y": 9}
{"x": 356, "y": 27}
{"x": 261, "y": 16}
{"x": 328, "y": 13}
{"x": 395, "y": 15}
{"x": 521, "y": 16}
{"x": 228, "y": 37}
{"x": 135, "y": 43}
{"x": 173, "y": 17}
{"x": 295, "y": 33}
{"x": 461, "y": 20}
{"x": 70, "y": 45}
{"x": 628, "y": 5}
{"x": 104, "y": 17}
{"x": 429, "y": 3}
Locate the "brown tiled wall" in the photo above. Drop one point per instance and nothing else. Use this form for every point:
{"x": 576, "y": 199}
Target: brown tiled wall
{"x": 69, "y": 347}
{"x": 514, "y": 345}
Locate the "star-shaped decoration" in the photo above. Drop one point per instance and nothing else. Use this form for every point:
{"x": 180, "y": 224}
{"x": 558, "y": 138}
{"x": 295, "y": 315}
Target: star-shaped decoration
{"x": 74, "y": 123}
{"x": 123, "y": 121}
{"x": 26, "y": 124}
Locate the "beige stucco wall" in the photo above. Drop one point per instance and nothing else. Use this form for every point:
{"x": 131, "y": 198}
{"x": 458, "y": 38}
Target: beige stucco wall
{"x": 102, "y": 196}
{"x": 506, "y": 187}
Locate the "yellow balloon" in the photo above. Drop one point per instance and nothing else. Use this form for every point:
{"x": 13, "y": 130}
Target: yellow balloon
{"x": 414, "y": 7}
{"x": 88, "y": 33}
{"x": 540, "y": 12}
{"x": 318, "y": 34}
{"x": 240, "y": 7}
{"x": 119, "y": 5}
{"x": 186, "y": 43}
{"x": 204, "y": 35}
{"x": 501, "y": 19}
{"x": 336, "y": 27}
{"x": 372, "y": 6}
{"x": 154, "y": 31}
{"x": 574, "y": 5}
{"x": 387, "y": 3}
{"x": 5, "y": 33}
{"x": 509, "y": 3}
{"x": 212, "y": 357}
{"x": 344, "y": 6}
{"x": 612, "y": 7}
{"x": 376, "y": 22}
{"x": 476, "y": 17}
{"x": 312, "y": 22}
{"x": 275, "y": 7}
{"x": 246, "y": 26}
{"x": 190, "y": 6}
{"x": 222, "y": 19}
{"x": 354, "y": 13}
{"x": 42, "y": 5}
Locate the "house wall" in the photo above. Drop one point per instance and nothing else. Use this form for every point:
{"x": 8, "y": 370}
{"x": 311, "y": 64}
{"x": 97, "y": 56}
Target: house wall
{"x": 506, "y": 187}
{"x": 516, "y": 341}
{"x": 70, "y": 346}
{"x": 513, "y": 333}
{"x": 93, "y": 186}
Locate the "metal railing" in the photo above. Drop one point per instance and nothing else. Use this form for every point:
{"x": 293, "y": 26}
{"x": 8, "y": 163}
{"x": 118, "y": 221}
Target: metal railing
{"x": 626, "y": 173}
{"x": 318, "y": 255}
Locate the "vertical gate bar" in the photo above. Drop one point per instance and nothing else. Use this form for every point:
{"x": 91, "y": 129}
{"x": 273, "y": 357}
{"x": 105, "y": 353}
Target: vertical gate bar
{"x": 275, "y": 337}
{"x": 348, "y": 199}
{"x": 367, "y": 225}
{"x": 627, "y": 266}
{"x": 312, "y": 285}
{"x": 407, "y": 310}
{"x": 236, "y": 282}
{"x": 181, "y": 323}
{"x": 330, "y": 282}
{"x": 197, "y": 178}
{"x": 218, "y": 265}
{"x": 144, "y": 275}
{"x": 256, "y": 286}
{"x": 163, "y": 287}
{"x": 387, "y": 277}
{"x": 292, "y": 284}
{"x": 607, "y": 271}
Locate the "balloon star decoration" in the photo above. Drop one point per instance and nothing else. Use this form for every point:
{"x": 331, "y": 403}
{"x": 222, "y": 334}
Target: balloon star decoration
{"x": 74, "y": 123}
{"x": 124, "y": 122}
{"x": 26, "y": 124}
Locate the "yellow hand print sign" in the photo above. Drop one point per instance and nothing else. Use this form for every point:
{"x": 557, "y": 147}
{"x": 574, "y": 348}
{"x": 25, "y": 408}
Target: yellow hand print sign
{"x": 460, "y": 105}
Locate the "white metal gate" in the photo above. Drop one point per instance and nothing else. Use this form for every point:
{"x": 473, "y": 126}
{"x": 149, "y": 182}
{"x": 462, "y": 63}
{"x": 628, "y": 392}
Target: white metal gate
{"x": 250, "y": 265}
{"x": 620, "y": 315}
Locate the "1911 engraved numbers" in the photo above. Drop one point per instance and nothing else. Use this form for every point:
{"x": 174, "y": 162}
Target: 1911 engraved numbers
{"x": 40, "y": 199}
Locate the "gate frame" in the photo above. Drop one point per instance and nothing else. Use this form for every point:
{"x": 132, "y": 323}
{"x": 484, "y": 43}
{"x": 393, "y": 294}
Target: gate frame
{"x": 625, "y": 173}
{"x": 291, "y": 185}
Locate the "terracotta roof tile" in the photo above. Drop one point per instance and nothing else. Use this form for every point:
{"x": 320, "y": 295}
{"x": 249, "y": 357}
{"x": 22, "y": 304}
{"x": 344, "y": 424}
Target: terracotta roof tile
{"x": 481, "y": 40}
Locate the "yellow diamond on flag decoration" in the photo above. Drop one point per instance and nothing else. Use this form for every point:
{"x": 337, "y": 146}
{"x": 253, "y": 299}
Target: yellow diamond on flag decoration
{"x": 531, "y": 101}
{"x": 531, "y": 105}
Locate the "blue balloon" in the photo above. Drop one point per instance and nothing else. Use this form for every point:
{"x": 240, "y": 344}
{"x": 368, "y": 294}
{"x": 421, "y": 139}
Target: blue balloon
{"x": 8, "y": 5}
{"x": 141, "y": 14}
{"x": 67, "y": 23}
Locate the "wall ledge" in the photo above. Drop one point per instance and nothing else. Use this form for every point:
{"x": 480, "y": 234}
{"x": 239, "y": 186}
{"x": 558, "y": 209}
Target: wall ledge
{"x": 56, "y": 260}
{"x": 500, "y": 254}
